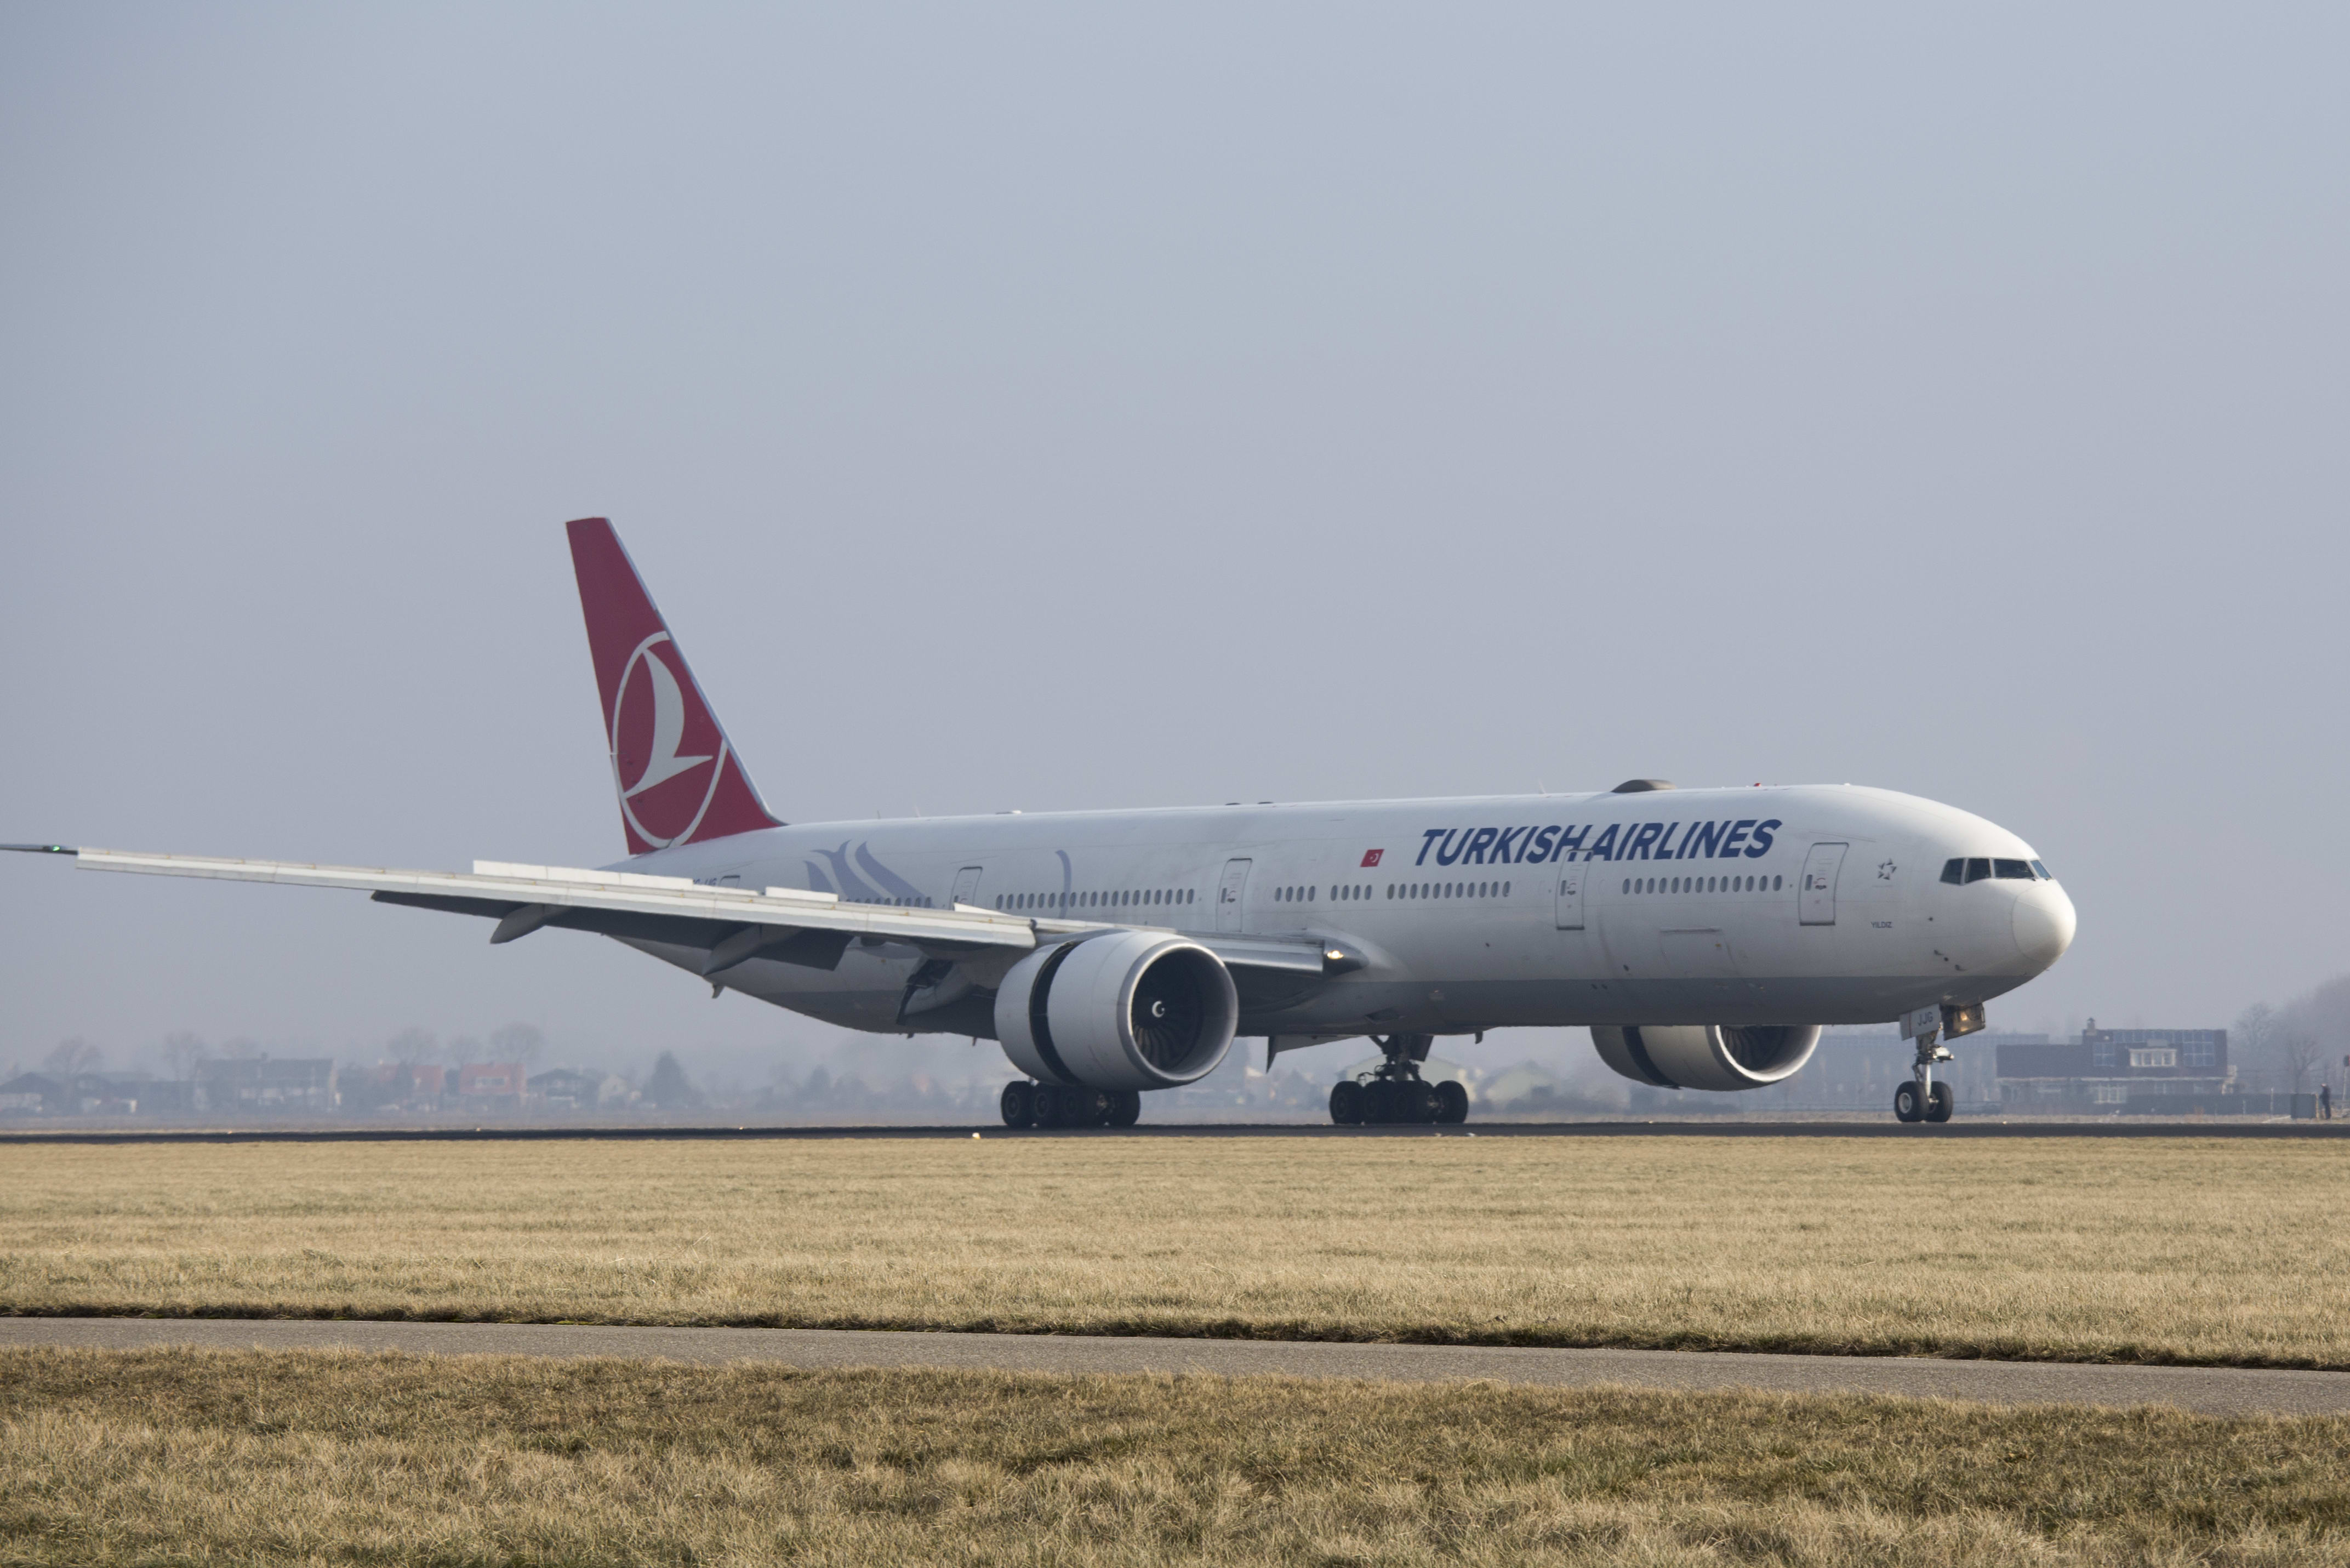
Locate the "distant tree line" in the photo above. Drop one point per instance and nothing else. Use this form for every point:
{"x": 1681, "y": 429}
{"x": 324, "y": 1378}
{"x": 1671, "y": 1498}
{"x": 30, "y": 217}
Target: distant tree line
{"x": 2299, "y": 1046}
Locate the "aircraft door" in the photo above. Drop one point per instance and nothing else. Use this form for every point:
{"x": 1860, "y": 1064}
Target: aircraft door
{"x": 1815, "y": 898}
{"x": 1569, "y": 884}
{"x": 966, "y": 886}
{"x": 1230, "y": 910}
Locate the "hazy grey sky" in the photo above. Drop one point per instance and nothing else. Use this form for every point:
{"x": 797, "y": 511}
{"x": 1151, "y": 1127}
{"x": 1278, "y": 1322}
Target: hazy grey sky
{"x": 1018, "y": 407}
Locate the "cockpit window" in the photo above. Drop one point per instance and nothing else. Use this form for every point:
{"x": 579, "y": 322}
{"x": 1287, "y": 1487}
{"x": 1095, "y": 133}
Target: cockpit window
{"x": 1977, "y": 869}
{"x": 2045, "y": 875}
{"x": 2018, "y": 870}
{"x": 1954, "y": 872}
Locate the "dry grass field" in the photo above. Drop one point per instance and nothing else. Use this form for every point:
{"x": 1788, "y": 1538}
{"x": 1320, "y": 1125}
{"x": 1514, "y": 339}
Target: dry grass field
{"x": 186, "y": 1456}
{"x": 2166, "y": 1250}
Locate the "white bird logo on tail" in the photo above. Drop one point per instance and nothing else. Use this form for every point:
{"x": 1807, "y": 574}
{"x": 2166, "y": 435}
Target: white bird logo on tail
{"x": 662, "y": 762}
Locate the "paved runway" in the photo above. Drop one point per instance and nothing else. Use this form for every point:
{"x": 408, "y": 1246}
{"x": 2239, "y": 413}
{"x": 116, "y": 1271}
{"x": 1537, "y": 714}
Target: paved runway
{"x": 1963, "y": 1131}
{"x": 2221, "y": 1391}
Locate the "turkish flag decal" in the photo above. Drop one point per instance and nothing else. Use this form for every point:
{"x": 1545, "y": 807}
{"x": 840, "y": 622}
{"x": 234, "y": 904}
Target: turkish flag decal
{"x": 1371, "y": 857}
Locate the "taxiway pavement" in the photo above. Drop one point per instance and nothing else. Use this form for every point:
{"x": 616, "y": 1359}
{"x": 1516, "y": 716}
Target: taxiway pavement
{"x": 1963, "y": 1131}
{"x": 2209, "y": 1390}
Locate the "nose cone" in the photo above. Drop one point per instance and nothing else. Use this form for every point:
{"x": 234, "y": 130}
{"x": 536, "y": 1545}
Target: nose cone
{"x": 2044, "y": 925}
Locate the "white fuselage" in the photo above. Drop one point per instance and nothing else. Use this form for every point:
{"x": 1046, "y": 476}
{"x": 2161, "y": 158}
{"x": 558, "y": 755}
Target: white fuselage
{"x": 1799, "y": 905}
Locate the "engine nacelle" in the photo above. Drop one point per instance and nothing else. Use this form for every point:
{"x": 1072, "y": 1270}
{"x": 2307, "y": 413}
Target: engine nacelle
{"x": 1129, "y": 1010}
{"x": 1706, "y": 1055}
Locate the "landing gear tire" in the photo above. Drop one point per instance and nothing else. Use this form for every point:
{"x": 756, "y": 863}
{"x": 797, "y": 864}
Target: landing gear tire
{"x": 1125, "y": 1108}
{"x": 1019, "y": 1105}
{"x": 1906, "y": 1107}
{"x": 1394, "y": 1094}
{"x": 1941, "y": 1102}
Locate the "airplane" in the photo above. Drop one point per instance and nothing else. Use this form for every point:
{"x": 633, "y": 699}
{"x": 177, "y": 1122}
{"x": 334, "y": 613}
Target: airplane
{"x": 1703, "y": 936}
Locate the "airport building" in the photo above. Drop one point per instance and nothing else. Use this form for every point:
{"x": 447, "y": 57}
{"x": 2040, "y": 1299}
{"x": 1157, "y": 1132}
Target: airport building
{"x": 2157, "y": 1071}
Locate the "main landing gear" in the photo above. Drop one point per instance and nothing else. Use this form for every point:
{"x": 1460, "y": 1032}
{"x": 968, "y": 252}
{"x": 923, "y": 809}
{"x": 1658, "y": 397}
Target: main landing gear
{"x": 1027, "y": 1104}
{"x": 1395, "y": 1092}
{"x": 1925, "y": 1098}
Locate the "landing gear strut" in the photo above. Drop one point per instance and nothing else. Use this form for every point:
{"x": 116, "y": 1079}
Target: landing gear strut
{"x": 1027, "y": 1104}
{"x": 1394, "y": 1092}
{"x": 1925, "y": 1098}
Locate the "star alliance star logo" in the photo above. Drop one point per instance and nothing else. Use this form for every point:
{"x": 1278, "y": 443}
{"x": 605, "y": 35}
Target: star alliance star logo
{"x": 1885, "y": 871}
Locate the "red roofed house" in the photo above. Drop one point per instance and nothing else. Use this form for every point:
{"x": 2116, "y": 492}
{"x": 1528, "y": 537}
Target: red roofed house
{"x": 489, "y": 1085}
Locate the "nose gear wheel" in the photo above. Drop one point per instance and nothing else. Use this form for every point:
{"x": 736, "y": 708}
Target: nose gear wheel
{"x": 1925, "y": 1098}
{"x": 1394, "y": 1094}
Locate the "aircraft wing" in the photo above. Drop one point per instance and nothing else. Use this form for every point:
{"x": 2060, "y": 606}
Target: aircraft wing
{"x": 523, "y": 898}
{"x": 733, "y": 924}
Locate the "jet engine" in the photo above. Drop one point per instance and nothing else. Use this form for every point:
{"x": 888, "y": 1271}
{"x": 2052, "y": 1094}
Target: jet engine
{"x": 1706, "y": 1055}
{"x": 1128, "y": 1010}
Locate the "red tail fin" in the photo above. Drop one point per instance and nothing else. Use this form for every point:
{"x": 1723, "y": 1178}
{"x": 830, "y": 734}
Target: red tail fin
{"x": 679, "y": 779}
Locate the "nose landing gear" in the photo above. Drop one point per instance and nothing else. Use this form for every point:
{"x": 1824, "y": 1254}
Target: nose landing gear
{"x": 1925, "y": 1098}
{"x": 1395, "y": 1094}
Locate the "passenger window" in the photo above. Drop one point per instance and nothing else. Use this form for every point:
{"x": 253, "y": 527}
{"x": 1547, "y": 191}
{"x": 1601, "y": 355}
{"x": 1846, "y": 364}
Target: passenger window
{"x": 1978, "y": 869}
{"x": 1775, "y": 882}
{"x": 1954, "y": 871}
{"x": 2015, "y": 870}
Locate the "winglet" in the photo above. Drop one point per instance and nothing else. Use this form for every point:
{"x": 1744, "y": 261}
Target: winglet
{"x": 41, "y": 848}
{"x": 677, "y": 776}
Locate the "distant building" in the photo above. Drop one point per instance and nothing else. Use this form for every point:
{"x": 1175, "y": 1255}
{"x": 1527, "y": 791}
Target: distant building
{"x": 572, "y": 1089}
{"x": 33, "y": 1095}
{"x": 94, "y": 1094}
{"x": 266, "y": 1085}
{"x": 490, "y": 1087}
{"x": 394, "y": 1086}
{"x": 2111, "y": 1070}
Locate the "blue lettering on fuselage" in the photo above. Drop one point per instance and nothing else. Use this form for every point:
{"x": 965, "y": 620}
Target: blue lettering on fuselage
{"x": 1744, "y": 838}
